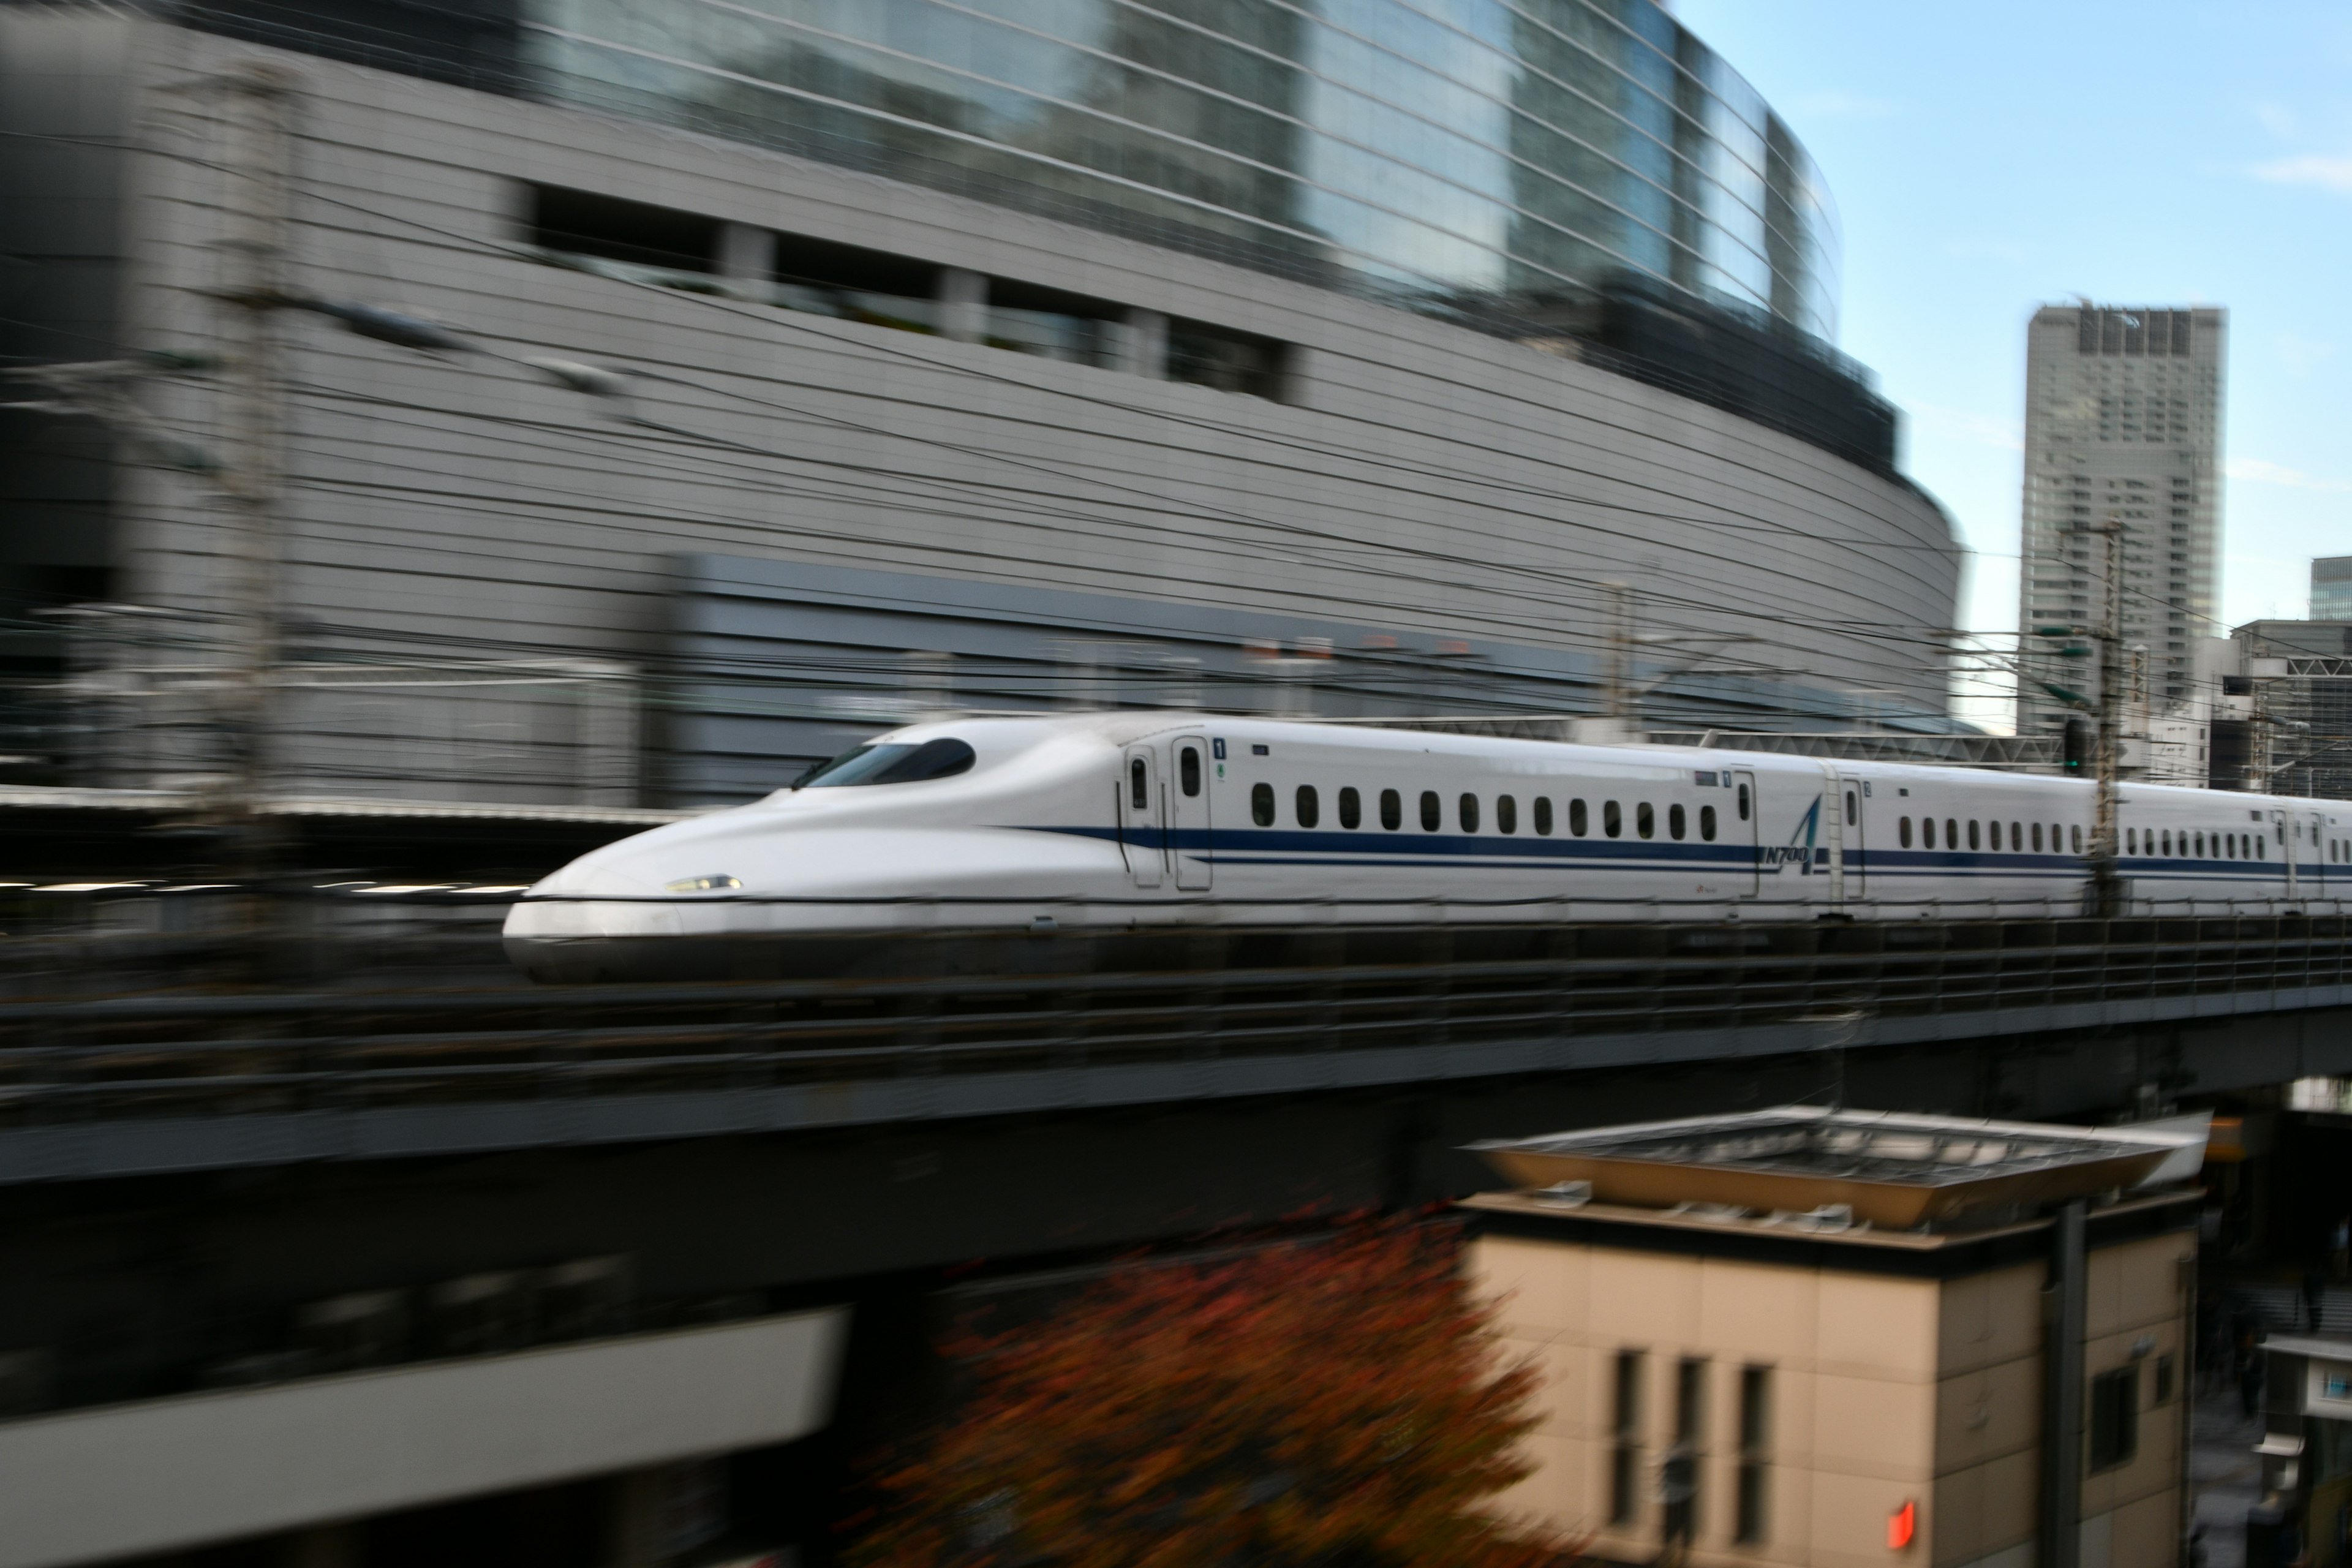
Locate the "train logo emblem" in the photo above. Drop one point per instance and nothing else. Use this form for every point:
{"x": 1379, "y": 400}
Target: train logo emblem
{"x": 1799, "y": 849}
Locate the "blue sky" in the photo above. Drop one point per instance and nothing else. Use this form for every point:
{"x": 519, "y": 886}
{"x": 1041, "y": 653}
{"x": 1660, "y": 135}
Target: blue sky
{"x": 1991, "y": 156}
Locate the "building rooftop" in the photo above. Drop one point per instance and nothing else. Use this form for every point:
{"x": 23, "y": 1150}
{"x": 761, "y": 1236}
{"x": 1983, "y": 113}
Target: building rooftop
{"x": 1882, "y": 1168}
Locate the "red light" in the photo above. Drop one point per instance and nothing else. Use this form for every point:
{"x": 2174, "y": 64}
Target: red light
{"x": 1902, "y": 1525}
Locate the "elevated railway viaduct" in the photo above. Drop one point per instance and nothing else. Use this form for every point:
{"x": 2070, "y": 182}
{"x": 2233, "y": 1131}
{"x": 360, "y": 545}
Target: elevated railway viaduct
{"x": 240, "y": 1163}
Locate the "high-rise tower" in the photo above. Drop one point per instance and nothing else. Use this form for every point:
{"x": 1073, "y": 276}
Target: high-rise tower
{"x": 2122, "y": 422}
{"x": 2331, "y": 588}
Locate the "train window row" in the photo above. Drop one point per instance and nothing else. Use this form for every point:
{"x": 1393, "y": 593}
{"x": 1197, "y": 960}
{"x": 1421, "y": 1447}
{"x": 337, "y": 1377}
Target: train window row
{"x": 1470, "y": 813}
{"x": 2021, "y": 837}
{"x": 2195, "y": 845}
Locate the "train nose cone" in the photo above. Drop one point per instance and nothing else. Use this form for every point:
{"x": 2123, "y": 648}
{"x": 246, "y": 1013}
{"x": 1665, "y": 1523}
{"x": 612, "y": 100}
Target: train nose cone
{"x": 596, "y": 897}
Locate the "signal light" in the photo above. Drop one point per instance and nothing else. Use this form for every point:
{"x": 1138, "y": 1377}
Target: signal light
{"x": 2075, "y": 750}
{"x": 1903, "y": 1525}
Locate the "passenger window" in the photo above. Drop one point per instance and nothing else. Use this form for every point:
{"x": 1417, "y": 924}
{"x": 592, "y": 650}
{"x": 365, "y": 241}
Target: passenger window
{"x": 1262, "y": 805}
{"x": 2261, "y": 846}
{"x": 1646, "y": 820}
{"x": 1707, "y": 823}
{"x": 2131, "y": 840}
{"x": 1973, "y": 838}
{"x": 1902, "y": 832}
{"x": 1309, "y": 808}
{"x": 1543, "y": 815}
{"x": 1432, "y": 817}
{"x": 2165, "y": 842}
{"x": 1188, "y": 769}
{"x": 1951, "y": 833}
{"x": 1507, "y": 814}
{"x": 2037, "y": 838}
{"x": 2075, "y": 833}
{"x": 1743, "y": 803}
{"x": 1674, "y": 820}
{"x": 1139, "y": 785}
{"x": 2199, "y": 851}
{"x": 2016, "y": 838}
{"x": 1469, "y": 809}
{"x": 1577, "y": 823}
{"x": 1612, "y": 821}
{"x": 1391, "y": 810}
{"x": 1351, "y": 809}
{"x": 1853, "y": 810}
{"x": 1928, "y": 831}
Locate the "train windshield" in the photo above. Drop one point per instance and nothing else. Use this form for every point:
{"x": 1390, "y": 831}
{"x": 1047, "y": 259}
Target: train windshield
{"x": 897, "y": 762}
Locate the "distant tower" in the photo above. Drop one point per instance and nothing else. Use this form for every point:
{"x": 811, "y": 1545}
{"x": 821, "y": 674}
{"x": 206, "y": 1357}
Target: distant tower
{"x": 2331, "y": 588}
{"x": 2123, "y": 419}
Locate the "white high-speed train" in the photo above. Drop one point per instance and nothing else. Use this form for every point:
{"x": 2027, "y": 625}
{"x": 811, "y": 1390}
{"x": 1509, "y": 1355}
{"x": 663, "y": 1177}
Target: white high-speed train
{"x": 1122, "y": 821}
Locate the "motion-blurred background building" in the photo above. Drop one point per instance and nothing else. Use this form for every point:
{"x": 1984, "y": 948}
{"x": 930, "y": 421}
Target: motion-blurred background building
{"x": 1375, "y": 359}
{"x": 2123, "y": 431}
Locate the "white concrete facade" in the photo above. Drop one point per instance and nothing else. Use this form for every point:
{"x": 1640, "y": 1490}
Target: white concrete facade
{"x": 169, "y": 1474}
{"x": 1413, "y": 473}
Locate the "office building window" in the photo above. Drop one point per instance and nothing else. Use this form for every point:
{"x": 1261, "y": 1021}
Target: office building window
{"x": 1678, "y": 1478}
{"x": 2115, "y": 1417}
{"x": 1625, "y": 1453}
{"x": 1755, "y": 1452}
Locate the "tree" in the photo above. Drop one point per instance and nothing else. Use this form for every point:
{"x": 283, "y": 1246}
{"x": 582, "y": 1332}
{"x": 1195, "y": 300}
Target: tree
{"x": 1334, "y": 1403}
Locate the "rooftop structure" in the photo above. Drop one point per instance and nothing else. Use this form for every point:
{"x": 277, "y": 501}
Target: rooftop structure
{"x": 1885, "y": 1168}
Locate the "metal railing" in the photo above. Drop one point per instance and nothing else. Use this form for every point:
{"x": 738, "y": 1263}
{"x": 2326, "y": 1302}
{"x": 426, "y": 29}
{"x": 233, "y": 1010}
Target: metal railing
{"x": 424, "y": 1014}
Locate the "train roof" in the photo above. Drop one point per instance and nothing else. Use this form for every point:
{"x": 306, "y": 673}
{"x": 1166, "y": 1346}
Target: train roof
{"x": 1124, "y": 727}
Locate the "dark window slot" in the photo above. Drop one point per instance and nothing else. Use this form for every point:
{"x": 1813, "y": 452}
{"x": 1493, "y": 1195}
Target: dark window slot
{"x": 580, "y": 223}
{"x": 1054, "y": 325}
{"x": 855, "y": 284}
{"x": 1227, "y": 360}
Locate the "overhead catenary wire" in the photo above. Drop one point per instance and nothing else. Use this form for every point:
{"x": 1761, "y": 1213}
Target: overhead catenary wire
{"x": 877, "y": 478}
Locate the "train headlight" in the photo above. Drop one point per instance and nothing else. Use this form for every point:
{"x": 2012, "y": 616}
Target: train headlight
{"x": 702, "y": 885}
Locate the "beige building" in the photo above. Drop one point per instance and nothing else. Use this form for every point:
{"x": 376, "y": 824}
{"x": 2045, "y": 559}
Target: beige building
{"x": 1736, "y": 1354}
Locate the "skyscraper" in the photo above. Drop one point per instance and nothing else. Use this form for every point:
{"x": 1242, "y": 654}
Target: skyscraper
{"x": 2123, "y": 424}
{"x": 2331, "y": 588}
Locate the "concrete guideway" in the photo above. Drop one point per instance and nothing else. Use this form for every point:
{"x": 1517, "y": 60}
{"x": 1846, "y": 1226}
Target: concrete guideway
{"x": 173, "y": 1082}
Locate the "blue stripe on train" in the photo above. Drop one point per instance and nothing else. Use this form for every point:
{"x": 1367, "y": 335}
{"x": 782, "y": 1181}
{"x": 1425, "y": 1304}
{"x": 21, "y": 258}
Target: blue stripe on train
{"x": 1351, "y": 846}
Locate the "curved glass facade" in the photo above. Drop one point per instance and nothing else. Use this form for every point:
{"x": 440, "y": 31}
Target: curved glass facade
{"x": 1466, "y": 156}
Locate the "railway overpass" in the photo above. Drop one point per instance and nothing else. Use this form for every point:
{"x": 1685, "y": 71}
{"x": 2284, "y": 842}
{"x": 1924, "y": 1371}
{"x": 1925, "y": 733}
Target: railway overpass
{"x": 271, "y": 1163}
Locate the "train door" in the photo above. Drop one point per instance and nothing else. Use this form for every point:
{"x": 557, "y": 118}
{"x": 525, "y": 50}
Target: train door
{"x": 1142, "y": 819}
{"x": 2297, "y": 829}
{"x": 1746, "y": 809}
{"x": 1830, "y": 824}
{"x": 1189, "y": 846}
{"x": 1852, "y": 853}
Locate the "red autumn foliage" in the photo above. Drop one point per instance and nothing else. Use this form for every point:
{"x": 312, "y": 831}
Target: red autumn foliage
{"x": 1339, "y": 1402}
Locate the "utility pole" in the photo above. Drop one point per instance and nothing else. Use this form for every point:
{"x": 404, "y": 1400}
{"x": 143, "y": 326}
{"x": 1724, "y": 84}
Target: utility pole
{"x": 259, "y": 105}
{"x": 1618, "y": 701}
{"x": 2106, "y": 878}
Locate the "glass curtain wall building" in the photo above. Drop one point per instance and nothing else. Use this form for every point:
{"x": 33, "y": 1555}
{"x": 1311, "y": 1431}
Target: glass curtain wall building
{"x": 1472, "y": 158}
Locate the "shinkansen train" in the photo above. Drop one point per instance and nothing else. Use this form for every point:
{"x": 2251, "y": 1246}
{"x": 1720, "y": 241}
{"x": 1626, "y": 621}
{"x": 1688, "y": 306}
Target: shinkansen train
{"x": 1126, "y": 821}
